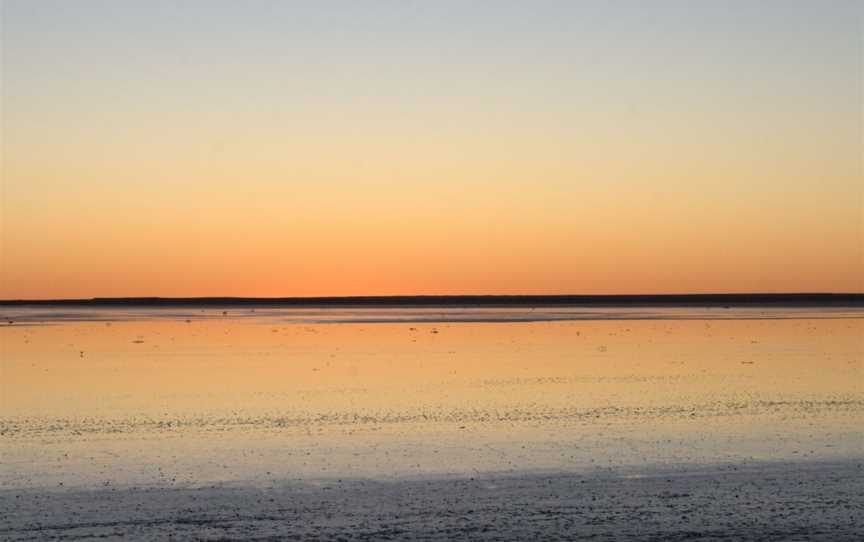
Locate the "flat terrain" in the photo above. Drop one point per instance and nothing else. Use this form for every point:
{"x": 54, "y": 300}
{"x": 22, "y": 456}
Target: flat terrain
{"x": 784, "y": 501}
{"x": 638, "y": 423}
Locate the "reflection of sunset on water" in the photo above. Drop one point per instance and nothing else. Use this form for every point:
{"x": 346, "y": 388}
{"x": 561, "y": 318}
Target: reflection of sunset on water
{"x": 456, "y": 385}
{"x": 442, "y": 270}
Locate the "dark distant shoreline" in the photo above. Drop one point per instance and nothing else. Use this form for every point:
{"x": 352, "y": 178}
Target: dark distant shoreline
{"x": 719, "y": 300}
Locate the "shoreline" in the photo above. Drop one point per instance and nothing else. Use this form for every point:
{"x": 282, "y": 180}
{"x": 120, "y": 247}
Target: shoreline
{"x": 661, "y": 300}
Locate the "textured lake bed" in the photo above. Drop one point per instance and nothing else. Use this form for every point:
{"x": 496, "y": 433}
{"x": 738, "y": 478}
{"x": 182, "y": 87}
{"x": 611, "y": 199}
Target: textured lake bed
{"x": 209, "y": 404}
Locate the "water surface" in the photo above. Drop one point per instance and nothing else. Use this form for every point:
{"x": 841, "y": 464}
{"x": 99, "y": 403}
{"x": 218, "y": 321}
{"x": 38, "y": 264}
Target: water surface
{"x": 191, "y": 397}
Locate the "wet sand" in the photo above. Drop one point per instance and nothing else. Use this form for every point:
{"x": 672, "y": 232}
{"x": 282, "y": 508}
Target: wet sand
{"x": 779, "y": 501}
{"x": 316, "y": 424}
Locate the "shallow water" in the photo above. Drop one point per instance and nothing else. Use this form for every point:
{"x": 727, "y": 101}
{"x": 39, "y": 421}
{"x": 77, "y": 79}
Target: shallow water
{"x": 184, "y": 397}
{"x": 35, "y": 315}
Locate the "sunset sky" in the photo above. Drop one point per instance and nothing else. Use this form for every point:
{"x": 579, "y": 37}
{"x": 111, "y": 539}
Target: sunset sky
{"x": 277, "y": 148}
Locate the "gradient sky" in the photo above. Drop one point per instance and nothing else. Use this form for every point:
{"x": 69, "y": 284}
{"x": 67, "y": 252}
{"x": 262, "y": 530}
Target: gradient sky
{"x": 395, "y": 147}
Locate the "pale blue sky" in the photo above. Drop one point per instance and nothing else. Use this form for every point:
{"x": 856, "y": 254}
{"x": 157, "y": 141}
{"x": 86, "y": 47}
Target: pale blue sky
{"x": 704, "y": 132}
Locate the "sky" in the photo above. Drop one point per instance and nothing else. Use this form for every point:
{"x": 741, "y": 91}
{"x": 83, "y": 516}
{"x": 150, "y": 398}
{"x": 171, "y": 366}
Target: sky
{"x": 278, "y": 148}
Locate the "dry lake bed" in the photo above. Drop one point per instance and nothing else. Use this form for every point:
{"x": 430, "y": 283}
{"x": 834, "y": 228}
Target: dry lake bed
{"x": 434, "y": 423}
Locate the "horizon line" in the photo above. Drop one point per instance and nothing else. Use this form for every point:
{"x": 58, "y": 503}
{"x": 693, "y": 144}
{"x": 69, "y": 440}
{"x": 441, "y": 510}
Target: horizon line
{"x": 464, "y": 299}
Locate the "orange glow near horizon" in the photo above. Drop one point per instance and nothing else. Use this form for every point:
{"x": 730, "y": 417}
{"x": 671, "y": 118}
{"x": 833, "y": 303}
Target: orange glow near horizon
{"x": 419, "y": 155}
